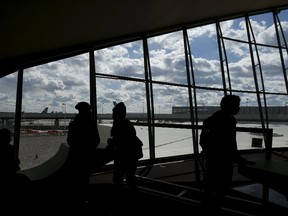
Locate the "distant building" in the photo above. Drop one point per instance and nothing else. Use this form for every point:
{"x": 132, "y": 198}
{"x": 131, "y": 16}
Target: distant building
{"x": 249, "y": 113}
{"x": 243, "y": 109}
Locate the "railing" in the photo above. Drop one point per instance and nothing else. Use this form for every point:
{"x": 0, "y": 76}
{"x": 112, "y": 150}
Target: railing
{"x": 267, "y": 134}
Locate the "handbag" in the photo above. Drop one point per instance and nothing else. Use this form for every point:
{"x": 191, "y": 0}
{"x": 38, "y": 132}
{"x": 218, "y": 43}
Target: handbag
{"x": 138, "y": 147}
{"x": 139, "y": 151}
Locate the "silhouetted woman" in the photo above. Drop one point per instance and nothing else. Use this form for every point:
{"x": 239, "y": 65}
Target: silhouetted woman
{"x": 124, "y": 136}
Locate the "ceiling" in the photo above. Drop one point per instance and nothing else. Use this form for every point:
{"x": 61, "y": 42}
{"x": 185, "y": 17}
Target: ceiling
{"x": 34, "y": 31}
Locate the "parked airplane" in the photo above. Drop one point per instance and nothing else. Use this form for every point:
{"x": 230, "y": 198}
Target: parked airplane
{"x": 45, "y": 110}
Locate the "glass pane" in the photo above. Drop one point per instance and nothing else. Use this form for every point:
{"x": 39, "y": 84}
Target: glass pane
{"x": 238, "y": 55}
{"x": 167, "y": 58}
{"x": 240, "y": 68}
{"x": 173, "y": 141}
{"x": 272, "y": 70}
{"x": 248, "y": 117}
{"x": 122, "y": 60}
{"x": 283, "y": 17}
{"x": 205, "y": 54}
{"x": 209, "y": 97}
{"x": 248, "y": 100}
{"x": 235, "y": 29}
{"x": 8, "y": 87}
{"x": 132, "y": 93}
{"x": 57, "y": 86}
{"x": 167, "y": 98}
{"x": 278, "y": 117}
{"x": 264, "y": 29}
{"x": 280, "y": 135}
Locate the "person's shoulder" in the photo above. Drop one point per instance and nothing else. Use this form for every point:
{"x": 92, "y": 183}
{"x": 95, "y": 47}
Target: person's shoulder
{"x": 72, "y": 122}
{"x": 127, "y": 120}
{"x": 7, "y": 150}
{"x": 217, "y": 115}
{"x": 212, "y": 120}
{"x": 209, "y": 119}
{"x": 10, "y": 147}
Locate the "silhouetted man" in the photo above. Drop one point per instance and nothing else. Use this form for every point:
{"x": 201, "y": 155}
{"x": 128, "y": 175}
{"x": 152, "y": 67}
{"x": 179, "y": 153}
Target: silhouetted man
{"x": 218, "y": 141}
{"x": 83, "y": 138}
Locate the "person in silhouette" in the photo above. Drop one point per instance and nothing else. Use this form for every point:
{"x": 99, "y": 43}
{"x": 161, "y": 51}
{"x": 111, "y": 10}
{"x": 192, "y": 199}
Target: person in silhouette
{"x": 219, "y": 145}
{"x": 123, "y": 138}
{"x": 9, "y": 163}
{"x": 83, "y": 139}
{"x": 13, "y": 184}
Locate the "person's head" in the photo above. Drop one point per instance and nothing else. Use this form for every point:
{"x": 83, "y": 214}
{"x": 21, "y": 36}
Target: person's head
{"x": 83, "y": 108}
{"x": 230, "y": 104}
{"x": 119, "y": 111}
{"x": 5, "y": 135}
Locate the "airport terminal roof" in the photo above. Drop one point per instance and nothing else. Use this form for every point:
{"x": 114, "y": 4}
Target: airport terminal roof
{"x": 34, "y": 32}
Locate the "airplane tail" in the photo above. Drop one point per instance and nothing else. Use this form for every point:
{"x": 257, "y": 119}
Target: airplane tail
{"x": 45, "y": 111}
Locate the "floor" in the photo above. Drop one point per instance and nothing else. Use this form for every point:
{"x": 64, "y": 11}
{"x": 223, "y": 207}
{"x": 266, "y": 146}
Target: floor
{"x": 173, "y": 185}
{"x": 166, "y": 188}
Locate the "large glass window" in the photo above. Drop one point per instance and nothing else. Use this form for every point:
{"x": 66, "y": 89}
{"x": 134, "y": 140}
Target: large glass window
{"x": 253, "y": 66}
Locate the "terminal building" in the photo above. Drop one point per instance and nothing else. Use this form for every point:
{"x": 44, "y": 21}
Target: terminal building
{"x": 246, "y": 113}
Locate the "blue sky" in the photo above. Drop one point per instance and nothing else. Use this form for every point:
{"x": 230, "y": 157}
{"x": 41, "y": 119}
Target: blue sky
{"x": 63, "y": 83}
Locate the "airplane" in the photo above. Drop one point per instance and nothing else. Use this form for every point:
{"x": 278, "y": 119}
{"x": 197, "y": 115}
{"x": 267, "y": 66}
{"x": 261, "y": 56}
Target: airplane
{"x": 45, "y": 110}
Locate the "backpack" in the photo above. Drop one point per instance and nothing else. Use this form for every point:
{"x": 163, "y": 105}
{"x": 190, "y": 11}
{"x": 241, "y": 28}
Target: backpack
{"x": 207, "y": 133}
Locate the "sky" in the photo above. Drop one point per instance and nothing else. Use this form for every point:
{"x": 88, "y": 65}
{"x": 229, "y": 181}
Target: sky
{"x": 60, "y": 85}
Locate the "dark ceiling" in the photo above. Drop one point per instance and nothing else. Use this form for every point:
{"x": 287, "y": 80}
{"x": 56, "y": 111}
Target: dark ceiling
{"x": 34, "y": 31}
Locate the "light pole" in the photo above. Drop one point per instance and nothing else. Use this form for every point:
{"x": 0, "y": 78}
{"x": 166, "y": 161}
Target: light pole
{"x": 64, "y": 110}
